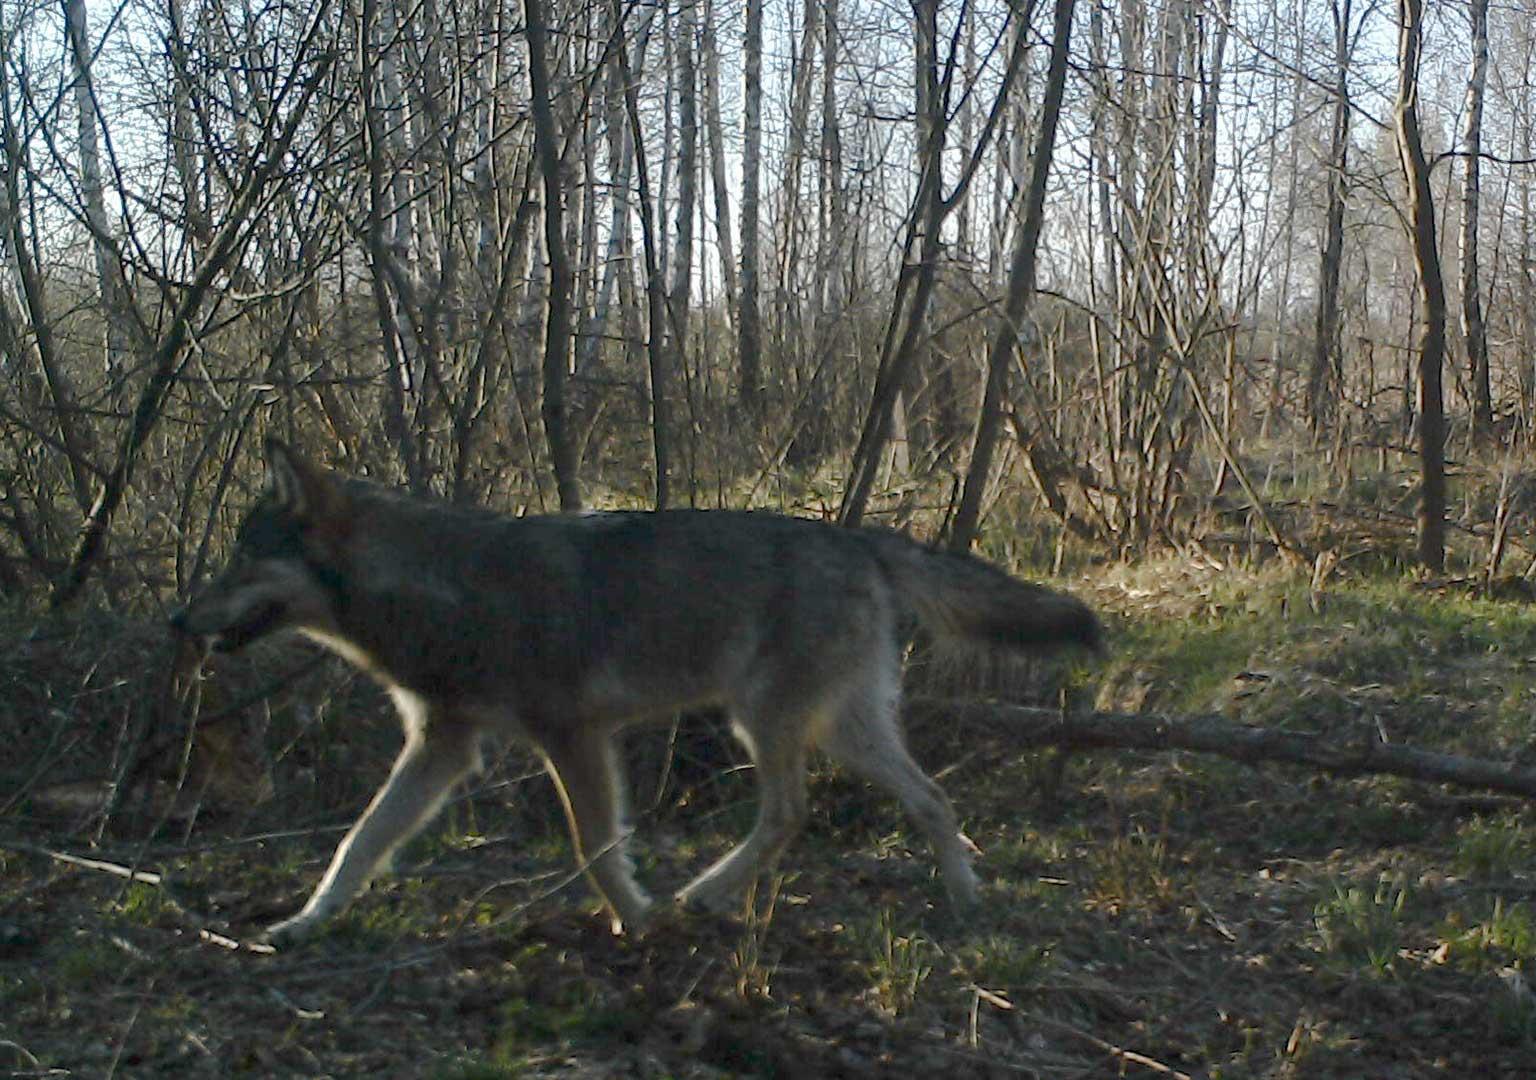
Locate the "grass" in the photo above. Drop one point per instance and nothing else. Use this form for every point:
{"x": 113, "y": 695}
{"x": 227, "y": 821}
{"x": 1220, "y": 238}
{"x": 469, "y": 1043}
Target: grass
{"x": 1008, "y": 964}
{"x": 1362, "y": 927}
{"x": 751, "y": 961}
{"x": 898, "y": 963}
{"x": 1215, "y": 918}
{"x": 1504, "y": 938}
{"x": 143, "y": 904}
{"x": 1492, "y": 849}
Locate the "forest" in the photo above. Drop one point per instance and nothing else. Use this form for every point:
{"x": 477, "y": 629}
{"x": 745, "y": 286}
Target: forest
{"x": 1218, "y": 314}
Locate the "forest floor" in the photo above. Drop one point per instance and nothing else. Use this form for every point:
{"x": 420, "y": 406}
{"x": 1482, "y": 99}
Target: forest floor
{"x": 1145, "y": 914}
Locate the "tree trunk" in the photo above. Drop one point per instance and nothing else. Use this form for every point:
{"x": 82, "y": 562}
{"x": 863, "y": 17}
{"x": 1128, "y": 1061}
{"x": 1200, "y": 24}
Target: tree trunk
{"x": 1421, "y": 217}
{"x": 28, "y": 309}
{"x": 655, "y": 288}
{"x": 749, "y": 323}
{"x": 789, "y": 280}
{"x": 1021, "y": 287}
{"x": 687, "y": 177}
{"x": 620, "y": 165}
{"x": 557, "y": 324}
{"x": 717, "y": 180}
{"x": 1472, "y": 326}
{"x": 832, "y": 208}
{"x": 114, "y": 300}
{"x": 1324, "y": 377}
{"x": 388, "y": 235}
{"x": 917, "y": 279}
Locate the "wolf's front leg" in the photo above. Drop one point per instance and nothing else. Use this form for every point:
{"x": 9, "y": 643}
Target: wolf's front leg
{"x": 420, "y": 781}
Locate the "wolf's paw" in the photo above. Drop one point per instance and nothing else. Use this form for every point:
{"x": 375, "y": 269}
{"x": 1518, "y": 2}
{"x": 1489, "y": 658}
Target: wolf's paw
{"x": 637, "y": 918}
{"x": 964, "y": 889}
{"x": 292, "y": 931}
{"x": 701, "y": 900}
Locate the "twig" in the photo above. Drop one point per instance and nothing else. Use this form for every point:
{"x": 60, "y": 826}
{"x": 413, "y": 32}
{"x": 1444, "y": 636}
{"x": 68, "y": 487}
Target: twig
{"x": 294, "y": 1007}
{"x": 1108, "y": 1047}
{"x": 138, "y": 1007}
{"x": 457, "y": 937}
{"x": 213, "y": 937}
{"x": 117, "y": 870}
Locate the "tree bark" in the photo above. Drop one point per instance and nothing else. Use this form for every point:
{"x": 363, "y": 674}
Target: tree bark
{"x": 557, "y": 325}
{"x": 1021, "y": 287}
{"x": 1473, "y": 329}
{"x": 1421, "y": 217}
{"x": 687, "y": 176}
{"x": 749, "y": 322}
{"x": 721, "y": 189}
{"x": 655, "y": 288}
{"x": 1323, "y": 380}
{"x": 114, "y": 306}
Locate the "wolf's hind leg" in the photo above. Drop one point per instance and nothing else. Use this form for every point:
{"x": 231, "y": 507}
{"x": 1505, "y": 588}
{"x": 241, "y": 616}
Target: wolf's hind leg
{"x": 865, "y": 737}
{"x": 778, "y": 748}
{"x": 586, "y": 771}
{"x": 423, "y": 775}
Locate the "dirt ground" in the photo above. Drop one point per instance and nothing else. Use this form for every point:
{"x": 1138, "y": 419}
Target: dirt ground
{"x": 1144, "y": 915}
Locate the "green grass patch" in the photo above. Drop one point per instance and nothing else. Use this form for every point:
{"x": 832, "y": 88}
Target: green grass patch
{"x": 1362, "y": 927}
{"x": 1005, "y": 963}
{"x": 1493, "y": 849}
{"x": 1504, "y": 937}
{"x": 897, "y": 963}
{"x": 142, "y": 904}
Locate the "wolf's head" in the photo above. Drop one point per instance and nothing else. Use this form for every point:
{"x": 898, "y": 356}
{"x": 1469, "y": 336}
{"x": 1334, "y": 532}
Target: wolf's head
{"x": 277, "y": 575}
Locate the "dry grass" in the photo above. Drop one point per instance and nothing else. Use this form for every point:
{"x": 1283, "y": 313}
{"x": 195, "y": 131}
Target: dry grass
{"x": 1145, "y": 915}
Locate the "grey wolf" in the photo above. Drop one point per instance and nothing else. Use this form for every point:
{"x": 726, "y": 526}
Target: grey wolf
{"x": 562, "y": 630}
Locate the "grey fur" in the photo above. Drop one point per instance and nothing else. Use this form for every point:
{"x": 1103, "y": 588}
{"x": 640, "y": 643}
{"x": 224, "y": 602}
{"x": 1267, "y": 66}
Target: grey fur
{"x": 562, "y": 630}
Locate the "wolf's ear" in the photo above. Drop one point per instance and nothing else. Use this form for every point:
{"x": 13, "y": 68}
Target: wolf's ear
{"x": 296, "y": 485}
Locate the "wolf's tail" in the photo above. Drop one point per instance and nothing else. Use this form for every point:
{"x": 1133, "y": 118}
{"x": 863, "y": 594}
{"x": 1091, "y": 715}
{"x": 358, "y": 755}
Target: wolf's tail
{"x": 959, "y": 596}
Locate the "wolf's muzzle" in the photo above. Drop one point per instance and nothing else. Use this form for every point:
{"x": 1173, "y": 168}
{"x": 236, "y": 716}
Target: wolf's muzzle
{"x": 258, "y": 623}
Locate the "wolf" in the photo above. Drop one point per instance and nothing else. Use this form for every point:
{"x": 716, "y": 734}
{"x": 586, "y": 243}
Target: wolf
{"x": 563, "y": 630}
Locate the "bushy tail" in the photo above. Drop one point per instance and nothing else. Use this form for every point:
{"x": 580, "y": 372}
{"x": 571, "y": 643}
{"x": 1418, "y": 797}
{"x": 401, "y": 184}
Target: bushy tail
{"x": 959, "y": 596}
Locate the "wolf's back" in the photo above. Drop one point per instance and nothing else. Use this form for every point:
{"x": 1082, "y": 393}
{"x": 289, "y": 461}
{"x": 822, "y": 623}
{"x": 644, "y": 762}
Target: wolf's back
{"x": 959, "y": 596}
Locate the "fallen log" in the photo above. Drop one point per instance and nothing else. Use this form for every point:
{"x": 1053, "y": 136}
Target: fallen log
{"x": 1213, "y": 734}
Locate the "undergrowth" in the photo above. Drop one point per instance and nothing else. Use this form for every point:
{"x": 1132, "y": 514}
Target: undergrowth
{"x": 1142, "y": 914}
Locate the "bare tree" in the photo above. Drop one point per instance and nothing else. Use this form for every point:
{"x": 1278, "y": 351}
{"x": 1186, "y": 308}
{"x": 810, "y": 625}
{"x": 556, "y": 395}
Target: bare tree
{"x": 557, "y": 325}
{"x": 275, "y": 135}
{"x": 114, "y": 306}
{"x": 687, "y": 175}
{"x": 923, "y": 242}
{"x": 715, "y": 127}
{"x": 1323, "y": 384}
{"x": 1021, "y": 286}
{"x": 1472, "y": 326}
{"x": 749, "y": 326}
{"x": 1421, "y": 217}
{"x": 655, "y": 291}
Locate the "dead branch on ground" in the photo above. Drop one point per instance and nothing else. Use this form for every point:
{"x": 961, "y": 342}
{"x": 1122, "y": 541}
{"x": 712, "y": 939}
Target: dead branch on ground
{"x": 1213, "y": 734}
